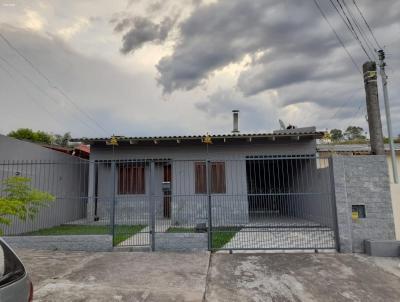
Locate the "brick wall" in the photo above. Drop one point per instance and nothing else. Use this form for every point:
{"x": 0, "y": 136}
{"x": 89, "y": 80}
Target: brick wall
{"x": 362, "y": 180}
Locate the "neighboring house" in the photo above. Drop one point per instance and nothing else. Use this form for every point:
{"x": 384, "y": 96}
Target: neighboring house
{"x": 52, "y": 171}
{"x": 80, "y": 150}
{"x": 181, "y": 160}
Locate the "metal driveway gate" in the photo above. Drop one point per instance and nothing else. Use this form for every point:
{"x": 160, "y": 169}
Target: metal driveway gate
{"x": 288, "y": 204}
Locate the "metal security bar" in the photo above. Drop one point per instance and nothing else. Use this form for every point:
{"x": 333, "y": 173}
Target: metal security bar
{"x": 66, "y": 181}
{"x": 278, "y": 203}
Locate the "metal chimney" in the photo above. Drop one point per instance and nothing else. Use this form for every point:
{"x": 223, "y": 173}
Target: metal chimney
{"x": 235, "y": 121}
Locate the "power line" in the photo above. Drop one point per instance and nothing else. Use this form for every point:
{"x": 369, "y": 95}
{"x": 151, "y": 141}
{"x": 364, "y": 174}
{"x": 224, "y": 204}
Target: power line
{"x": 30, "y": 96}
{"x": 51, "y": 84}
{"x": 366, "y": 23}
{"x": 42, "y": 90}
{"x": 346, "y": 100}
{"x": 337, "y": 36}
{"x": 360, "y": 30}
{"x": 350, "y": 26}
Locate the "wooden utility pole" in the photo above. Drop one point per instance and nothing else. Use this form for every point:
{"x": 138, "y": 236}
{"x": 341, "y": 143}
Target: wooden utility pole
{"x": 374, "y": 114}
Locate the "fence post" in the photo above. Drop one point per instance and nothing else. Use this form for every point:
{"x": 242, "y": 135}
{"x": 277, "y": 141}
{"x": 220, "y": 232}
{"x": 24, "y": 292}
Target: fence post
{"x": 209, "y": 229}
{"x": 152, "y": 206}
{"x": 113, "y": 201}
{"x": 333, "y": 202}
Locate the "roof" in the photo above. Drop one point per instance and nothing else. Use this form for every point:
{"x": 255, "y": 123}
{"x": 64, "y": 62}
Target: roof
{"x": 292, "y": 133}
{"x": 359, "y": 148}
{"x": 79, "y": 150}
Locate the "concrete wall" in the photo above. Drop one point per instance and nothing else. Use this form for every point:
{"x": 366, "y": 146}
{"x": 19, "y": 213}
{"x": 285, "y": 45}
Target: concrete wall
{"x": 181, "y": 242}
{"x": 189, "y": 208}
{"x": 62, "y": 175}
{"x": 90, "y": 243}
{"x": 362, "y": 180}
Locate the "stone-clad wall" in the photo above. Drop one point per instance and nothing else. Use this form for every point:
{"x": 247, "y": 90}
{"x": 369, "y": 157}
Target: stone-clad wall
{"x": 362, "y": 180}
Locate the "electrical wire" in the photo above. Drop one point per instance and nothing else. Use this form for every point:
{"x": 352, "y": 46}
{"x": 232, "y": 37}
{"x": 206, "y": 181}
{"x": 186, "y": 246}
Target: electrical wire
{"x": 351, "y": 27}
{"x": 337, "y": 36}
{"x": 51, "y": 83}
{"x": 43, "y": 91}
{"x": 366, "y": 23}
{"x": 358, "y": 26}
{"x": 30, "y": 96}
{"x": 346, "y": 100}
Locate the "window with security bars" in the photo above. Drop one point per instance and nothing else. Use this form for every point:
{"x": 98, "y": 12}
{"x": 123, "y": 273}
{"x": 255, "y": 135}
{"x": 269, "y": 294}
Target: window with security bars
{"x": 131, "y": 179}
{"x": 218, "y": 182}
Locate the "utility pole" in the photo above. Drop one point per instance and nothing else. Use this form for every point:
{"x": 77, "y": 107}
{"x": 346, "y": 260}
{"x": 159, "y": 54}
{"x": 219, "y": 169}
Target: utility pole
{"x": 374, "y": 114}
{"x": 384, "y": 77}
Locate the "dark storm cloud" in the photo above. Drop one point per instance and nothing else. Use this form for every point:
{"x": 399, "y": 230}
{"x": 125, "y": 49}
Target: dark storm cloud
{"x": 296, "y": 42}
{"x": 142, "y": 31}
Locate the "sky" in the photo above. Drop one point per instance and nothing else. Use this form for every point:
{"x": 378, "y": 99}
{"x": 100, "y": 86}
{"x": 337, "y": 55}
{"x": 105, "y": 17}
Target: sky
{"x": 179, "y": 67}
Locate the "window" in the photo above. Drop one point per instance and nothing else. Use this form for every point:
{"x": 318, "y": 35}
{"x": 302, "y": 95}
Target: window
{"x": 217, "y": 178}
{"x": 200, "y": 178}
{"x": 131, "y": 179}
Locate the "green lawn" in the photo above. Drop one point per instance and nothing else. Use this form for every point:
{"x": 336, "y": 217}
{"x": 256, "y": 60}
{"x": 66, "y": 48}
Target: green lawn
{"x": 122, "y": 232}
{"x": 220, "y": 235}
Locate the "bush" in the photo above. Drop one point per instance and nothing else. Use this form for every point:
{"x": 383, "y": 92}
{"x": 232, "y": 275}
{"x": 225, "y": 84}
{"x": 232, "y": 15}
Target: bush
{"x": 21, "y": 200}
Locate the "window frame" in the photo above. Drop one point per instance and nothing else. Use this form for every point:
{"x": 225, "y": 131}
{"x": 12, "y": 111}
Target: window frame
{"x": 135, "y": 182}
{"x": 200, "y": 185}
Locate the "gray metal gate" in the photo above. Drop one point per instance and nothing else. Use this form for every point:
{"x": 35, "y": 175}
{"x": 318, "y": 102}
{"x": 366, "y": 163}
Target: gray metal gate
{"x": 259, "y": 202}
{"x": 289, "y": 204}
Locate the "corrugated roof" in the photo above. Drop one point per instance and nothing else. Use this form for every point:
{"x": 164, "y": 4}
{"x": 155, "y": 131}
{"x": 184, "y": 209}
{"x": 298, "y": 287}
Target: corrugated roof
{"x": 288, "y": 133}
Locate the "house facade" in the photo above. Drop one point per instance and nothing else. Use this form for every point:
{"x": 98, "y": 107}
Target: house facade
{"x": 179, "y": 178}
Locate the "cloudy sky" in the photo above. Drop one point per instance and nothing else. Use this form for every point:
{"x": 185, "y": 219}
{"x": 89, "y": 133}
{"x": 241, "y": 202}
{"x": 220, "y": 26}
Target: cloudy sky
{"x": 159, "y": 67}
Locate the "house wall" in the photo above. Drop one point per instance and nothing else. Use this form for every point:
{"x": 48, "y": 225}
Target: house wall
{"x": 362, "y": 180}
{"x": 60, "y": 174}
{"x": 189, "y": 208}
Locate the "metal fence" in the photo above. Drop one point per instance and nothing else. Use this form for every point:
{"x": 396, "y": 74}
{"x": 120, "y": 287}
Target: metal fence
{"x": 259, "y": 202}
{"x": 66, "y": 181}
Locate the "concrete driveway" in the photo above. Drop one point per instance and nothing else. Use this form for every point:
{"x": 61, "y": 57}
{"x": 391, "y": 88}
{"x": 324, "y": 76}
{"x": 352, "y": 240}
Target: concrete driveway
{"x": 302, "y": 277}
{"x": 116, "y": 276}
{"x": 123, "y": 276}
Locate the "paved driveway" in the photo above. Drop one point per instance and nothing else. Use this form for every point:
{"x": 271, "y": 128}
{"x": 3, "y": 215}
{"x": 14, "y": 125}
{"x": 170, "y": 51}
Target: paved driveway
{"x": 124, "y": 276}
{"x": 116, "y": 276}
{"x": 303, "y": 277}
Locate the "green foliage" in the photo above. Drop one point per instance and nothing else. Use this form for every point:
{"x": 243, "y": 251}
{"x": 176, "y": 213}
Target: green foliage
{"x": 62, "y": 140}
{"x": 354, "y": 133}
{"x": 336, "y": 135}
{"x": 21, "y": 200}
{"x": 30, "y": 135}
{"x": 41, "y": 137}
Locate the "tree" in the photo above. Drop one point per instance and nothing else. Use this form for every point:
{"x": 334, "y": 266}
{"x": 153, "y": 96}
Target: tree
{"x": 354, "y": 133}
{"x": 62, "y": 140}
{"x": 20, "y": 200}
{"x": 336, "y": 135}
{"x": 23, "y": 133}
{"x": 29, "y": 134}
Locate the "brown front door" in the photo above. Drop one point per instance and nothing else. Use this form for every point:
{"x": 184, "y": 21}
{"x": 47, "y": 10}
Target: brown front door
{"x": 167, "y": 194}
